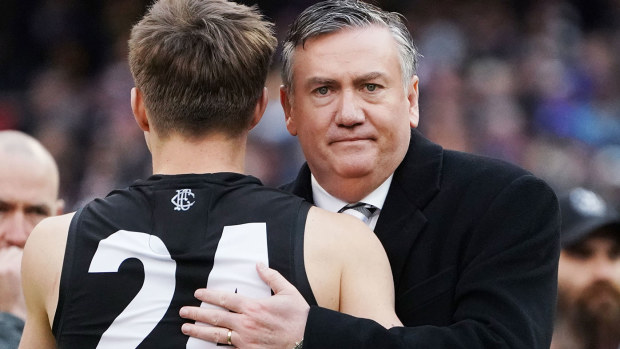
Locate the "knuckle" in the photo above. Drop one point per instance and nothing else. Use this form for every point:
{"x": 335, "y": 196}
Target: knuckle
{"x": 215, "y": 321}
{"x": 222, "y": 301}
{"x": 216, "y": 337}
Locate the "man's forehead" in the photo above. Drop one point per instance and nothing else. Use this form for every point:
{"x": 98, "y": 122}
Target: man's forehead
{"x": 23, "y": 204}
{"x": 355, "y": 51}
{"x": 25, "y": 186}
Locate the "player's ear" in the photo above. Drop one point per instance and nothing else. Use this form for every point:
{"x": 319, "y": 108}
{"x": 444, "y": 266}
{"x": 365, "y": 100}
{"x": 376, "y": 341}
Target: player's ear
{"x": 139, "y": 110}
{"x": 260, "y": 107}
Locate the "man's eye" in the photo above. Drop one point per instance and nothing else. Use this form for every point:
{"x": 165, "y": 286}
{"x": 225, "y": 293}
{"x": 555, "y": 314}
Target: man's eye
{"x": 371, "y": 87}
{"x": 323, "y": 90}
{"x": 614, "y": 253}
{"x": 579, "y": 252}
{"x": 38, "y": 211}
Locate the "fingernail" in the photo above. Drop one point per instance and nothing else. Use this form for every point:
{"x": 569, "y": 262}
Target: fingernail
{"x": 198, "y": 293}
{"x": 185, "y": 328}
{"x": 183, "y": 312}
{"x": 261, "y": 266}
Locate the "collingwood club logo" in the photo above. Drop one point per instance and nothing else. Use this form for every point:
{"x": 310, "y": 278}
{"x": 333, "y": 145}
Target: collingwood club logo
{"x": 182, "y": 201}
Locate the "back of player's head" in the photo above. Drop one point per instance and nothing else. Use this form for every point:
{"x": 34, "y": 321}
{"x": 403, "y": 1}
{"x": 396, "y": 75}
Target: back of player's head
{"x": 201, "y": 65}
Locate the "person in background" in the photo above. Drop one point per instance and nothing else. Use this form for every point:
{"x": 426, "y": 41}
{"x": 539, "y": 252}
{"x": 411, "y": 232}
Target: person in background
{"x": 115, "y": 273}
{"x": 589, "y": 273}
{"x": 28, "y": 193}
{"x": 473, "y": 242}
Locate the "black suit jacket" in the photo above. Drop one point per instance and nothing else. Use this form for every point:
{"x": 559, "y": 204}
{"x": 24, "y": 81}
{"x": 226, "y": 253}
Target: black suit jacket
{"x": 473, "y": 244}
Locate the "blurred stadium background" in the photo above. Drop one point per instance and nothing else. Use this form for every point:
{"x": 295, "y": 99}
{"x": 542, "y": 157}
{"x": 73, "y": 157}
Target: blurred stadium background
{"x": 533, "y": 82}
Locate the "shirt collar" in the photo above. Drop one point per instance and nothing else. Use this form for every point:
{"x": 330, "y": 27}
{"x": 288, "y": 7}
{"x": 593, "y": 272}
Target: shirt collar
{"x": 326, "y": 201}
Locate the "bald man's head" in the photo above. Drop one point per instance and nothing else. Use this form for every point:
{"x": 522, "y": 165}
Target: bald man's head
{"x": 29, "y": 184}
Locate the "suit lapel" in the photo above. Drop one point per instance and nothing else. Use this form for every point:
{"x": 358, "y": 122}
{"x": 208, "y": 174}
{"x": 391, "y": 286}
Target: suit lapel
{"x": 416, "y": 181}
{"x": 301, "y": 186}
{"x": 399, "y": 224}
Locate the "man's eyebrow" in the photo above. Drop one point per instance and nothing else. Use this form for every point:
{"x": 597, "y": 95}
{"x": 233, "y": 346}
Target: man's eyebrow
{"x": 4, "y": 203}
{"x": 39, "y": 208}
{"x": 367, "y": 77}
{"x": 319, "y": 81}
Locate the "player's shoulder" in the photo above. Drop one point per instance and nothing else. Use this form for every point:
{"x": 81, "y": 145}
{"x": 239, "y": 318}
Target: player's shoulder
{"x": 50, "y": 233}
{"x": 332, "y": 231}
{"x": 334, "y": 223}
{"x": 53, "y": 223}
{"x": 44, "y": 250}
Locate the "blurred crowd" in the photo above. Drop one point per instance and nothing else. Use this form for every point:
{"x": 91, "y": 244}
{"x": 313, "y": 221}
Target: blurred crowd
{"x": 536, "y": 83}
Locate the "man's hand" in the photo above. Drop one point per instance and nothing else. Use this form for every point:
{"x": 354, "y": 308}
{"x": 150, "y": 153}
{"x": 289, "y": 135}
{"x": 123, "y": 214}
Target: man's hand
{"x": 11, "y": 296}
{"x": 276, "y": 322}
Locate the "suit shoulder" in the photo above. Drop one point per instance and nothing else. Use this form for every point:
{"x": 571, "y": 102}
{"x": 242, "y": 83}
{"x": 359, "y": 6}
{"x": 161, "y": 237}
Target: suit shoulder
{"x": 469, "y": 165}
{"x": 470, "y": 175}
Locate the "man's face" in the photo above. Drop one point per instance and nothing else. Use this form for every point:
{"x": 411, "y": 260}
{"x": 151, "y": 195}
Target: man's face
{"x": 28, "y": 193}
{"x": 589, "y": 282}
{"x": 349, "y": 106}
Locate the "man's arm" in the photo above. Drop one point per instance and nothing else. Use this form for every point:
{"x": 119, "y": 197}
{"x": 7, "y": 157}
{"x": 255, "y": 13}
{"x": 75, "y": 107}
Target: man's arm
{"x": 41, "y": 268}
{"x": 506, "y": 293}
{"x": 274, "y": 322}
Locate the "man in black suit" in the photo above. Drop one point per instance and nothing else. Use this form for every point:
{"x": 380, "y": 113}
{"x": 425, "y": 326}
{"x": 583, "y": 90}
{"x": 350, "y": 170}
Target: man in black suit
{"x": 473, "y": 242}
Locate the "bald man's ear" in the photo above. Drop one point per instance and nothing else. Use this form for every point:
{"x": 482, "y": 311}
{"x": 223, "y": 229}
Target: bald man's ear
{"x": 139, "y": 110}
{"x": 60, "y": 206}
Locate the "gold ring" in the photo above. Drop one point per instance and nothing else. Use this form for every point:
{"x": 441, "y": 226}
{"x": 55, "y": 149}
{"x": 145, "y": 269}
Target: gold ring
{"x": 229, "y": 337}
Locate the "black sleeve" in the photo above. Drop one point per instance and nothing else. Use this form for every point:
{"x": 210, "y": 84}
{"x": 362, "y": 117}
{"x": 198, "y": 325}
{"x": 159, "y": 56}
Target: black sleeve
{"x": 11, "y": 328}
{"x": 505, "y": 295}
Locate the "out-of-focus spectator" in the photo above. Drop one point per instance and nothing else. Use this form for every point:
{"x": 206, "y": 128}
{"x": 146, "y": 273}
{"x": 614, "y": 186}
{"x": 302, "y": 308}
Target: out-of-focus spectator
{"x": 28, "y": 193}
{"x": 589, "y": 274}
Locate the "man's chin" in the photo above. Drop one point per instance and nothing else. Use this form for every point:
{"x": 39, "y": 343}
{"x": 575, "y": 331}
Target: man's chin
{"x": 353, "y": 170}
{"x": 597, "y": 313}
{"x": 600, "y": 301}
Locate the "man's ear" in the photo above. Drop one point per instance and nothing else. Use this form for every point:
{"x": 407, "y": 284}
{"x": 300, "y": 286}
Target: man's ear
{"x": 139, "y": 110}
{"x": 286, "y": 106}
{"x": 259, "y": 109}
{"x": 412, "y": 97}
{"x": 60, "y": 206}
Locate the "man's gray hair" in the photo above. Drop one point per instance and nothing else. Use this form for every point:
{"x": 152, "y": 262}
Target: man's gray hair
{"x": 331, "y": 16}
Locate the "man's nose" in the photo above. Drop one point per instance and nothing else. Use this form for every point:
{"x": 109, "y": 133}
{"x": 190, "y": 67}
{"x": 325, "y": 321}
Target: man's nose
{"x": 603, "y": 268}
{"x": 14, "y": 229}
{"x": 350, "y": 112}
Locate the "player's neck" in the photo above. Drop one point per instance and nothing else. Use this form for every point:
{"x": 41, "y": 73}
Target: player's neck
{"x": 209, "y": 154}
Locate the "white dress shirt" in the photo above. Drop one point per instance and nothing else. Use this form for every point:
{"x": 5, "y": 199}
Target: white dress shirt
{"x": 328, "y": 202}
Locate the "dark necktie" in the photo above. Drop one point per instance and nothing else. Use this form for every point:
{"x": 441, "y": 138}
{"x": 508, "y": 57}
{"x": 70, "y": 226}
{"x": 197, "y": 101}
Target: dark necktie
{"x": 359, "y": 210}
